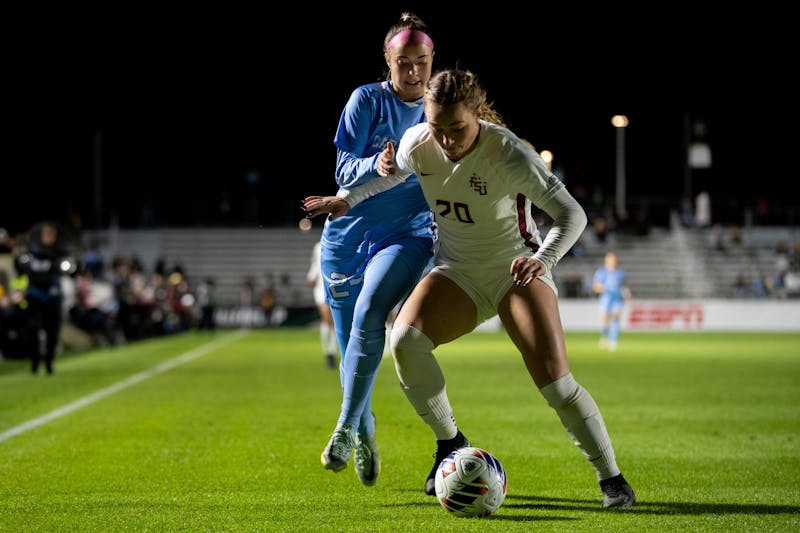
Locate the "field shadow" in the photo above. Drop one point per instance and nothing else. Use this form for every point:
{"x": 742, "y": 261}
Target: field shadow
{"x": 648, "y": 507}
{"x": 528, "y": 518}
{"x": 539, "y": 503}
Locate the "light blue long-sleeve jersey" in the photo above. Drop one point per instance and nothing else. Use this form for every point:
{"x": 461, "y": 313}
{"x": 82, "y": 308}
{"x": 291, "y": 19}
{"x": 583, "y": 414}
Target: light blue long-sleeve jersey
{"x": 613, "y": 282}
{"x": 373, "y": 116}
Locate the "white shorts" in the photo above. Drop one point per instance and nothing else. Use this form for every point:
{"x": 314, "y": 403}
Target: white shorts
{"x": 485, "y": 285}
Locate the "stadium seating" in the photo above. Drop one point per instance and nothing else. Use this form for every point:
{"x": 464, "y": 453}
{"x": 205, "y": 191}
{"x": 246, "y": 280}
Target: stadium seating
{"x": 666, "y": 263}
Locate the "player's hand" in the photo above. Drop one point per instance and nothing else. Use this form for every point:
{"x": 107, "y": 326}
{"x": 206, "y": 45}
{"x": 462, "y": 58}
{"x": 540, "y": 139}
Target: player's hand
{"x": 385, "y": 163}
{"x": 526, "y": 269}
{"x": 317, "y": 205}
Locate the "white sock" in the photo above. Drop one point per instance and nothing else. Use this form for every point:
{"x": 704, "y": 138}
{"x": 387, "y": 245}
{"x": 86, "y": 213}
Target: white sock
{"x": 422, "y": 380}
{"x": 581, "y": 418}
{"x": 330, "y": 344}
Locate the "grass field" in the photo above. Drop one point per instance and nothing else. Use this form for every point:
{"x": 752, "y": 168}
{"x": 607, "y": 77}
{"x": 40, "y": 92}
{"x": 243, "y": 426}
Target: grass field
{"x": 223, "y": 433}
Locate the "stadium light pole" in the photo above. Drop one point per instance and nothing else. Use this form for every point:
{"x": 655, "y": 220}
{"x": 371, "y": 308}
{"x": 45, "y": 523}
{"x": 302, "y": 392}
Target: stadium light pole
{"x": 620, "y": 122}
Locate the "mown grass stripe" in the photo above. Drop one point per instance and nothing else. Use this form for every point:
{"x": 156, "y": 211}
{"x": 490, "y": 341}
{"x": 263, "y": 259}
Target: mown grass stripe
{"x": 124, "y": 384}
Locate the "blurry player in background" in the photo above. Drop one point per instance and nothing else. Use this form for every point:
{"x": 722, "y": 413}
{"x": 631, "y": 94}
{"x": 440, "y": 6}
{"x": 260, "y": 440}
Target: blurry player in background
{"x": 327, "y": 333}
{"x": 482, "y": 181}
{"x": 610, "y": 283}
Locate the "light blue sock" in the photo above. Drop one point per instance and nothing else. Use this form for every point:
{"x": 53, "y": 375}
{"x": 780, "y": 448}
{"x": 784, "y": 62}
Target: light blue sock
{"x": 613, "y": 330}
{"x": 359, "y": 370}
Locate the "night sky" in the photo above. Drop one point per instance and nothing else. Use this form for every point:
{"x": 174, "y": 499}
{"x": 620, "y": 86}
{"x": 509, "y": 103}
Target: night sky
{"x": 162, "y": 118}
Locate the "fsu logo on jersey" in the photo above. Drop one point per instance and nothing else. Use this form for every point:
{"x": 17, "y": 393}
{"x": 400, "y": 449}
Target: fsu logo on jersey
{"x": 478, "y": 185}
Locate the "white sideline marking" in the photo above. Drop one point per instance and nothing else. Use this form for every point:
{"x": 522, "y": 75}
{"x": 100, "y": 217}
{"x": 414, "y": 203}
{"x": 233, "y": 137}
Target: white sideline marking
{"x": 124, "y": 384}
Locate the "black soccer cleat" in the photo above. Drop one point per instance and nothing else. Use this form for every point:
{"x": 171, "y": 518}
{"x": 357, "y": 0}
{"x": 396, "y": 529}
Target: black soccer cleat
{"x": 617, "y": 492}
{"x": 330, "y": 361}
{"x": 443, "y": 449}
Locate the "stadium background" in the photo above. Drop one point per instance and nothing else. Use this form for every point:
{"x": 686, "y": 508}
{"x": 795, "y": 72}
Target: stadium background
{"x": 224, "y": 119}
{"x": 226, "y": 116}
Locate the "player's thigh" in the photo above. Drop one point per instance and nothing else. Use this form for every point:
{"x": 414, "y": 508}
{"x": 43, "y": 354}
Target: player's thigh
{"x": 389, "y": 276}
{"x": 531, "y": 317}
{"x": 439, "y": 308}
{"x": 325, "y": 313}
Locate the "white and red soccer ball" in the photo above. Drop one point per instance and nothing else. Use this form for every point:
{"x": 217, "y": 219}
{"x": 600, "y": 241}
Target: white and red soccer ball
{"x": 471, "y": 482}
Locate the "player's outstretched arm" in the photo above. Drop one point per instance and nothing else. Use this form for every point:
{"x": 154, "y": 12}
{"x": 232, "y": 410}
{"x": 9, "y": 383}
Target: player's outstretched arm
{"x": 318, "y": 205}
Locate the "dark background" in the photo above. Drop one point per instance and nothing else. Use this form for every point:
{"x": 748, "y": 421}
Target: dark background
{"x": 226, "y": 117}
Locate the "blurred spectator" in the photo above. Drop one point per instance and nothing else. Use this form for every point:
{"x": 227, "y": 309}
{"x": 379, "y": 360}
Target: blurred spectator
{"x": 249, "y": 303}
{"x": 267, "y": 299}
{"x": 247, "y": 291}
{"x": 751, "y": 286}
{"x": 792, "y": 284}
{"x": 95, "y": 309}
{"x": 129, "y": 319}
{"x": 285, "y": 296}
{"x": 782, "y": 265}
{"x": 14, "y": 330}
{"x": 759, "y": 287}
{"x": 177, "y": 303}
{"x": 207, "y": 301}
{"x": 92, "y": 260}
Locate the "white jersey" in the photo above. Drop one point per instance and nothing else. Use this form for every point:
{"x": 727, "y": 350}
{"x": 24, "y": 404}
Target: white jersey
{"x": 315, "y": 275}
{"x": 482, "y": 203}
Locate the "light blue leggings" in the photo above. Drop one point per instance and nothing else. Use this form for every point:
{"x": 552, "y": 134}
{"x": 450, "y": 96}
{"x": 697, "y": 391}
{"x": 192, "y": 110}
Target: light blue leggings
{"x": 362, "y": 290}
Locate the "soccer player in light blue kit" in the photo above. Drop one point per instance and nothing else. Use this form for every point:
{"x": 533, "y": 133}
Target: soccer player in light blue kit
{"x": 610, "y": 282}
{"x": 373, "y": 256}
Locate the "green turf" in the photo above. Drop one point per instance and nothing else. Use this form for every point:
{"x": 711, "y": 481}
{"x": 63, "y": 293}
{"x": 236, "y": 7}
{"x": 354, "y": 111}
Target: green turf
{"x": 706, "y": 428}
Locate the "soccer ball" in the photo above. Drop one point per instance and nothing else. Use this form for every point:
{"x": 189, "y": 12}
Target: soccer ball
{"x": 471, "y": 482}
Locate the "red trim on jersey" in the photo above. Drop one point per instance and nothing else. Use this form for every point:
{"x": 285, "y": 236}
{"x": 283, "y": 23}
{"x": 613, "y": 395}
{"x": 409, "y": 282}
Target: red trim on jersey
{"x": 522, "y": 224}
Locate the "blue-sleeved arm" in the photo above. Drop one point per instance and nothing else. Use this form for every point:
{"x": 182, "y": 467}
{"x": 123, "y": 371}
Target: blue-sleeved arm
{"x": 352, "y": 171}
{"x": 355, "y": 158}
{"x": 405, "y": 168}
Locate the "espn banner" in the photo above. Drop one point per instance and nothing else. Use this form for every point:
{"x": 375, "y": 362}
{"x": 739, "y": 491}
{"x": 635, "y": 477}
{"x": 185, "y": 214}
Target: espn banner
{"x": 682, "y": 315}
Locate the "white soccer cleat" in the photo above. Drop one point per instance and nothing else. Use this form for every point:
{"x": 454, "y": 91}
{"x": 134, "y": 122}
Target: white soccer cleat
{"x": 337, "y": 452}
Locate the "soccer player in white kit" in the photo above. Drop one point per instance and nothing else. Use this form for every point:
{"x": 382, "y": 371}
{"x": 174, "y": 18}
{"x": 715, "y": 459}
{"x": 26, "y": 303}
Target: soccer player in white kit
{"x": 481, "y": 180}
{"x": 327, "y": 333}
